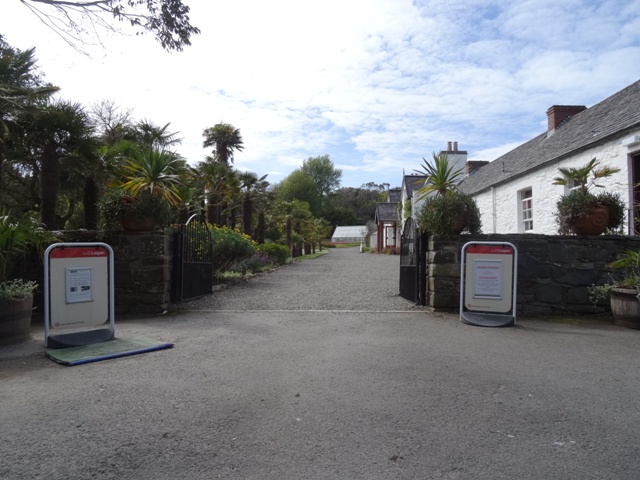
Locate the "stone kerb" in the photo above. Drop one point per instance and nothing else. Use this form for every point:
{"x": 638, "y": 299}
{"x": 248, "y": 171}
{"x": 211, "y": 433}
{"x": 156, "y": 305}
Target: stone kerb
{"x": 554, "y": 272}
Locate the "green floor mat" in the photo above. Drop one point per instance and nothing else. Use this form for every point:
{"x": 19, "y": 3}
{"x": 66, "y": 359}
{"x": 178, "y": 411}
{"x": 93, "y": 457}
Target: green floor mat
{"x": 119, "y": 347}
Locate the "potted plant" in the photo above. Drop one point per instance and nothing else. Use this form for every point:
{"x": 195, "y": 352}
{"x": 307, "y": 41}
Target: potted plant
{"x": 18, "y": 239}
{"x": 583, "y": 212}
{"x": 623, "y": 290}
{"x": 446, "y": 210}
{"x": 120, "y": 210}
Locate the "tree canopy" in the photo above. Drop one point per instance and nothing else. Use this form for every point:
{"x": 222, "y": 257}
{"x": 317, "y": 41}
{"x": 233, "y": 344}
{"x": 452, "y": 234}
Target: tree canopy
{"x": 167, "y": 20}
{"x": 300, "y": 186}
{"x": 326, "y": 177}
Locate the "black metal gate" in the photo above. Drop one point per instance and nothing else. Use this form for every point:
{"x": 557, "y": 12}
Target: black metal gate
{"x": 192, "y": 260}
{"x": 413, "y": 264}
{"x": 408, "y": 262}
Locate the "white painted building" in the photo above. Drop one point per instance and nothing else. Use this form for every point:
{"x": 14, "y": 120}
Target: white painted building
{"x": 410, "y": 201}
{"x": 515, "y": 192}
{"x": 457, "y": 161}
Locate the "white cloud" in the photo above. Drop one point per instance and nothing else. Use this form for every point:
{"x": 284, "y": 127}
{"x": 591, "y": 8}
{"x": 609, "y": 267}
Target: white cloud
{"x": 375, "y": 84}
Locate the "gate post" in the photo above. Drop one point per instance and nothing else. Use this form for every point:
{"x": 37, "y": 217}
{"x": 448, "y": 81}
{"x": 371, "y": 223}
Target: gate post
{"x": 422, "y": 243}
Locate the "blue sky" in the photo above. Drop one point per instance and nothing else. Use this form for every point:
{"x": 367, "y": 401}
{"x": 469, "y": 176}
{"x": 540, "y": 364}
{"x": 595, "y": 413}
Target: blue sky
{"x": 376, "y": 84}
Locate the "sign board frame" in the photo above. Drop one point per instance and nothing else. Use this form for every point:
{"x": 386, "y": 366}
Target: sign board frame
{"x": 488, "y": 284}
{"x": 78, "y": 294}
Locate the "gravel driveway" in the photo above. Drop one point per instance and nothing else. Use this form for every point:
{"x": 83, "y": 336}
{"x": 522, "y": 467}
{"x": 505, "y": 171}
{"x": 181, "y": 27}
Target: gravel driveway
{"x": 320, "y": 371}
{"x": 342, "y": 280}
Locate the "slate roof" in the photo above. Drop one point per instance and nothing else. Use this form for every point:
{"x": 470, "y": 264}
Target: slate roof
{"x": 387, "y": 212}
{"x": 612, "y": 117}
{"x": 413, "y": 183}
{"x": 395, "y": 195}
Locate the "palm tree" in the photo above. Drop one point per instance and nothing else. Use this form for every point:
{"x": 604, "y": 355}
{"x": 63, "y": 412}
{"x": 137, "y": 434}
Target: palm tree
{"x": 214, "y": 178}
{"x": 20, "y": 88}
{"x": 149, "y": 134}
{"x": 225, "y": 139}
{"x": 294, "y": 214}
{"x": 251, "y": 186}
{"x": 263, "y": 200}
{"x": 58, "y": 131}
{"x": 441, "y": 177}
{"x": 155, "y": 170}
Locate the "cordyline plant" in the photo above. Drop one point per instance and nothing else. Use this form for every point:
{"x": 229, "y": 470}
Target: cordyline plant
{"x": 580, "y": 175}
{"x": 442, "y": 178}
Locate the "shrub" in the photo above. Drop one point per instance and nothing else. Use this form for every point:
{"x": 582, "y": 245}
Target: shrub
{"x": 579, "y": 203}
{"x": 117, "y": 205}
{"x": 20, "y": 238}
{"x": 277, "y": 254}
{"x": 230, "y": 247}
{"x": 440, "y": 213}
{"x": 17, "y": 289}
{"x": 257, "y": 263}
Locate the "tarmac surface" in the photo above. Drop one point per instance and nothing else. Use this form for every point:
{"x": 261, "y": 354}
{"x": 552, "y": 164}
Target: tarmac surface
{"x": 325, "y": 391}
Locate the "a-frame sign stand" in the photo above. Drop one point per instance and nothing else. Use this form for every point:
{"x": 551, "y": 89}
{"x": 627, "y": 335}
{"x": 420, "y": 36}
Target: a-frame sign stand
{"x": 78, "y": 294}
{"x": 488, "y": 284}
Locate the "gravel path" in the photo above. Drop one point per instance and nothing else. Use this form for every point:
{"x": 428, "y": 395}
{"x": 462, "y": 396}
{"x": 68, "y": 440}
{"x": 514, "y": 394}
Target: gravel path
{"x": 290, "y": 376}
{"x": 357, "y": 282}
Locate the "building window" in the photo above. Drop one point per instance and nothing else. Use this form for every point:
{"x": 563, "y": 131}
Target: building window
{"x": 526, "y": 207}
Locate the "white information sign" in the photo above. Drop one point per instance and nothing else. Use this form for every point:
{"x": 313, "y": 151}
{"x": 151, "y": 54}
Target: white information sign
{"x": 487, "y": 278}
{"x": 78, "y": 285}
{"x": 488, "y": 284}
{"x": 78, "y": 294}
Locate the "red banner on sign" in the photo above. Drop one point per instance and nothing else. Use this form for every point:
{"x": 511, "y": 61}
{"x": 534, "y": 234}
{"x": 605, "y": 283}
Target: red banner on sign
{"x": 78, "y": 252}
{"x": 490, "y": 249}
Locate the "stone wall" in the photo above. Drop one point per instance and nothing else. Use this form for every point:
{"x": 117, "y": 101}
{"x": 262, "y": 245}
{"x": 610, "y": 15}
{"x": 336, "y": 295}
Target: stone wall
{"x": 143, "y": 263}
{"x": 554, "y": 272}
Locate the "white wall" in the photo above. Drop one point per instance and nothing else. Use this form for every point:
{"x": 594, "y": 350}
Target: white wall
{"x": 500, "y": 206}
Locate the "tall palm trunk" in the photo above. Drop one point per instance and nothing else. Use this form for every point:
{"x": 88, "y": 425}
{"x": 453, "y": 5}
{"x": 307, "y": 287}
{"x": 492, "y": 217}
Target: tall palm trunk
{"x": 49, "y": 186}
{"x": 1, "y": 170}
{"x": 247, "y": 215}
{"x": 262, "y": 228}
{"x": 214, "y": 214}
{"x": 288, "y": 229}
{"x": 90, "y": 203}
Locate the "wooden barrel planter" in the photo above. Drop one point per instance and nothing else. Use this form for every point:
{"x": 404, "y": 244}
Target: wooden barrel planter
{"x": 625, "y": 307}
{"x": 15, "y": 320}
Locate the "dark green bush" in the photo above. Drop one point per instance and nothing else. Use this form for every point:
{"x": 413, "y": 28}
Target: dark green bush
{"x": 276, "y": 254}
{"x": 257, "y": 263}
{"x": 440, "y": 213}
{"x": 230, "y": 247}
{"x": 579, "y": 203}
{"x": 117, "y": 204}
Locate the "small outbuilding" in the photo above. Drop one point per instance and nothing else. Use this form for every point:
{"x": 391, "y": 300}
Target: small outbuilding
{"x": 349, "y": 234}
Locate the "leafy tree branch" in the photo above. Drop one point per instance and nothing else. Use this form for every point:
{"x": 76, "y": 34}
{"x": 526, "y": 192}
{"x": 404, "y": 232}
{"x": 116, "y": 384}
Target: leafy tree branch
{"x": 167, "y": 20}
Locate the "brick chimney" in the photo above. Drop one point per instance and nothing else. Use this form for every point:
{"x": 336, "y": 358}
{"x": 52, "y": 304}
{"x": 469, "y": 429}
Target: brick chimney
{"x": 558, "y": 114}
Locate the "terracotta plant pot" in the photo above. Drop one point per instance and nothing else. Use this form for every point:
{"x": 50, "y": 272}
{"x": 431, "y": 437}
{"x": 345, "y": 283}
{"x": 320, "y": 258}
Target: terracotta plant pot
{"x": 15, "y": 320}
{"x": 593, "y": 224}
{"x": 625, "y": 307}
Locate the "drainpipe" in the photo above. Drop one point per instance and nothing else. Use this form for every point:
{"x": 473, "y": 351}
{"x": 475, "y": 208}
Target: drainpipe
{"x": 493, "y": 209}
